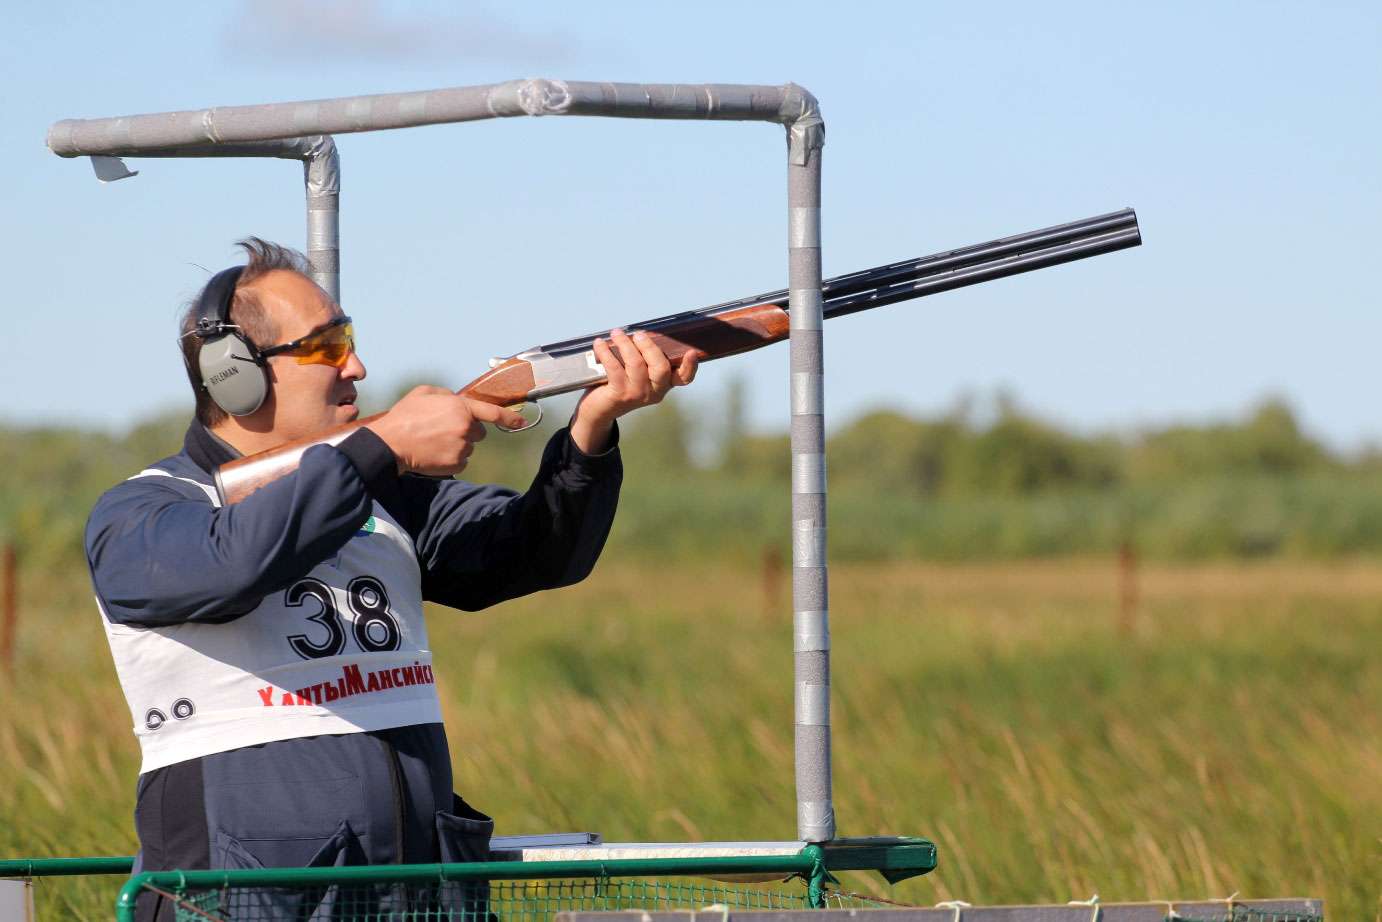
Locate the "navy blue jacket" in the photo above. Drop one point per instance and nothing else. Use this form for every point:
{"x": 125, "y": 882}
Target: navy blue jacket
{"x": 161, "y": 553}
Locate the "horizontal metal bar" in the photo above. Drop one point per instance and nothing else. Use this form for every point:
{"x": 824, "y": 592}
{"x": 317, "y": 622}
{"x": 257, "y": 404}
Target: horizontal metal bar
{"x": 892, "y": 858}
{"x": 129, "y": 135}
{"x": 487, "y": 870}
{"x": 65, "y": 867}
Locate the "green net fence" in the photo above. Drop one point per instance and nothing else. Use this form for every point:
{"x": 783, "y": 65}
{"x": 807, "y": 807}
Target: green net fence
{"x": 486, "y": 892}
{"x": 510, "y": 901}
{"x": 536, "y": 891}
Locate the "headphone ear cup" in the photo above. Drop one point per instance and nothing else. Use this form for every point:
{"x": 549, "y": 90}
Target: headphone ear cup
{"x": 230, "y": 376}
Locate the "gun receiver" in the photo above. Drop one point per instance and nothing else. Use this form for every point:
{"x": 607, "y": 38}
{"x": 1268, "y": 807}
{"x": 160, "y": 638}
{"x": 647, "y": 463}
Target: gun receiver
{"x": 736, "y": 326}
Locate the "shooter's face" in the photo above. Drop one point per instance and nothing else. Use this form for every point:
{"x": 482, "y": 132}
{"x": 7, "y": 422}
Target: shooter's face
{"x": 304, "y": 399}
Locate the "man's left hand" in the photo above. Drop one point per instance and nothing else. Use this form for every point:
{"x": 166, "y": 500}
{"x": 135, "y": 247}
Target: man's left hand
{"x": 639, "y": 375}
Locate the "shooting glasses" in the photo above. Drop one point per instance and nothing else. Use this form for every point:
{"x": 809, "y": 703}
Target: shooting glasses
{"x": 331, "y": 345}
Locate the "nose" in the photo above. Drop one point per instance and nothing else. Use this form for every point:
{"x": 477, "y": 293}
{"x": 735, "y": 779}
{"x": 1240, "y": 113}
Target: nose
{"x": 353, "y": 369}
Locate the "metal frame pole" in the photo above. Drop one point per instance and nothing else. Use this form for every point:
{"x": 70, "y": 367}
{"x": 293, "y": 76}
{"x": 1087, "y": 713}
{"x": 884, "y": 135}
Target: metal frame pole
{"x": 811, "y": 608}
{"x": 216, "y": 132}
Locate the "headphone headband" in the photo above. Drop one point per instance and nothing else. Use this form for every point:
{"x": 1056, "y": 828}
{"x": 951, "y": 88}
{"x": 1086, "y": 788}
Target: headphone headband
{"x": 213, "y": 307}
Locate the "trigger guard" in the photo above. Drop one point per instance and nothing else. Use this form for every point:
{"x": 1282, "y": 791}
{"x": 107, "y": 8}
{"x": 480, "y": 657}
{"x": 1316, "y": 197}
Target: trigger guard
{"x": 540, "y": 413}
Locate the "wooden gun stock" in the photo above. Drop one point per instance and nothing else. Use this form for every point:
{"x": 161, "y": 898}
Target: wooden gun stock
{"x": 513, "y": 382}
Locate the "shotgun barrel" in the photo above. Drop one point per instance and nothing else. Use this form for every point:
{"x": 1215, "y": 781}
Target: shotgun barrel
{"x": 916, "y": 278}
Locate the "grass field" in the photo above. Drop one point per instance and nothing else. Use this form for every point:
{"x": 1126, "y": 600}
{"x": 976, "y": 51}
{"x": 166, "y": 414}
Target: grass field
{"x": 1231, "y": 741}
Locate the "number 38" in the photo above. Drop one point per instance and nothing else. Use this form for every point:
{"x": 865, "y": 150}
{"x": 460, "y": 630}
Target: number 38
{"x": 374, "y": 626}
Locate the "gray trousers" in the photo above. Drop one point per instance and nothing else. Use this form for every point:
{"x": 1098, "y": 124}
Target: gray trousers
{"x": 325, "y": 801}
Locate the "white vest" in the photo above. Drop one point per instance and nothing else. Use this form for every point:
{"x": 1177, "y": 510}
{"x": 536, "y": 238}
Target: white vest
{"x": 341, "y": 650}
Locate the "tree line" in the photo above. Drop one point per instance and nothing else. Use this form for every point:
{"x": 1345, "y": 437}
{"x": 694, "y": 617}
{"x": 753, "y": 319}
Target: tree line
{"x": 961, "y": 483}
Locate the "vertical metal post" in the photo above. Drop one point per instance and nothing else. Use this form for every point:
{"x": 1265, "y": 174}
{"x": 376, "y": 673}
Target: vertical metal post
{"x": 815, "y": 884}
{"x": 811, "y": 610}
{"x": 321, "y": 166}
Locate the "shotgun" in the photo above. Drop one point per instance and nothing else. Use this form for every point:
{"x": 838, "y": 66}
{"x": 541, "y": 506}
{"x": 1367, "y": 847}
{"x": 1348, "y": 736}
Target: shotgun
{"x": 734, "y": 327}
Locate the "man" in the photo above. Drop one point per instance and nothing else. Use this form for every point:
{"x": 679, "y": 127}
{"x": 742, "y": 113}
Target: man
{"x": 273, "y": 652}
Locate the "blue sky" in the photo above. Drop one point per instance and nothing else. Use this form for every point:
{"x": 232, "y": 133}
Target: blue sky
{"x": 1245, "y": 134}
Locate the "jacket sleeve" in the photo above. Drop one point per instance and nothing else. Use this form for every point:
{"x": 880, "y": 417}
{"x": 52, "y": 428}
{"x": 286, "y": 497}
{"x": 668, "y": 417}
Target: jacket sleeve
{"x": 479, "y": 545}
{"x": 161, "y": 553}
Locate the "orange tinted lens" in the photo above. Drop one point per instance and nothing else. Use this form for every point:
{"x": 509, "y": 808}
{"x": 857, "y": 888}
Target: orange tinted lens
{"x": 329, "y": 347}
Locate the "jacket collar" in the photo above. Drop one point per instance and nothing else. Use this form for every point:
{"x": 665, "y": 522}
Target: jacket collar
{"x": 206, "y": 449}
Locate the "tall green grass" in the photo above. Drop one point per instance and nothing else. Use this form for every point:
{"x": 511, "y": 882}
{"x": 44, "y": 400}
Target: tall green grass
{"x": 1305, "y": 516}
{"x": 1231, "y": 741}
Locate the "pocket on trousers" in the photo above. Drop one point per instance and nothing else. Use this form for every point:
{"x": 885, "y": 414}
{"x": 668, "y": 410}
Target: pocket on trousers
{"x": 336, "y": 850}
{"x": 464, "y": 833}
{"x": 302, "y": 902}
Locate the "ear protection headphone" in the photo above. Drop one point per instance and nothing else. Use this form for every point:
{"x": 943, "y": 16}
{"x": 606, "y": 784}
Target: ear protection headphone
{"x": 232, "y": 371}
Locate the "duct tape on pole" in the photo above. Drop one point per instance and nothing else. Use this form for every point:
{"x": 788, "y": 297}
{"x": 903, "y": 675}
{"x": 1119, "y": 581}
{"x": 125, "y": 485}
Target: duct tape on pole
{"x": 789, "y": 105}
{"x": 811, "y": 616}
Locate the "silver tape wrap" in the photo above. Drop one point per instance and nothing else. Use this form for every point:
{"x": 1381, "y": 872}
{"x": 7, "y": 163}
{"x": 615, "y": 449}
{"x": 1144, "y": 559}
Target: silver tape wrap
{"x": 322, "y": 177}
{"x": 813, "y": 705}
{"x": 121, "y": 133}
{"x": 812, "y": 631}
{"x": 412, "y": 107}
{"x": 322, "y": 166}
{"x": 808, "y": 472}
{"x": 808, "y": 393}
{"x": 323, "y": 229}
{"x": 306, "y": 117}
{"x": 60, "y": 138}
{"x": 808, "y": 544}
{"x": 801, "y": 113}
{"x": 805, "y": 308}
{"x": 789, "y": 105}
{"x": 359, "y": 112}
{"x": 804, "y": 227}
{"x": 204, "y": 124}
{"x": 534, "y": 97}
{"x": 323, "y": 249}
{"x": 815, "y": 821}
{"x": 805, "y": 133}
{"x": 728, "y": 102}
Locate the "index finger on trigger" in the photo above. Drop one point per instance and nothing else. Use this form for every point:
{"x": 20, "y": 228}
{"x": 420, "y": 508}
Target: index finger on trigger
{"x": 503, "y": 416}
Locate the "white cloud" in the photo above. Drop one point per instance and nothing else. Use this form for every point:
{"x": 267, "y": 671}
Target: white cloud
{"x": 345, "y": 30}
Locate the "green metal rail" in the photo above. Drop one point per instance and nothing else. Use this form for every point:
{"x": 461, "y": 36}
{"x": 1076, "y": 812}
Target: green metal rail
{"x": 602, "y": 885}
{"x": 65, "y": 867}
{"x": 809, "y": 863}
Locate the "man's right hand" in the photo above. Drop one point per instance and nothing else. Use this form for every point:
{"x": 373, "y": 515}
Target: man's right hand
{"x": 433, "y": 431}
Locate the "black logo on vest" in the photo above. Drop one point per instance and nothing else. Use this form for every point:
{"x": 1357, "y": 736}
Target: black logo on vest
{"x": 182, "y": 709}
